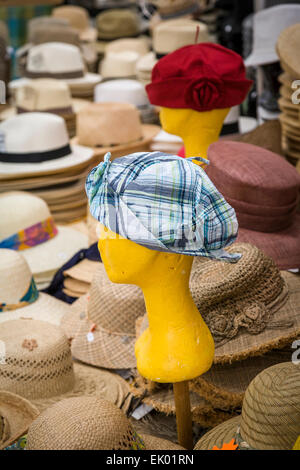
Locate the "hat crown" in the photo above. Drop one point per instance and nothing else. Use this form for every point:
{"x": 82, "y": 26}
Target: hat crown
{"x": 38, "y": 359}
{"x": 33, "y": 132}
{"x": 54, "y": 57}
{"x": 43, "y": 94}
{"x": 117, "y": 23}
{"x": 44, "y": 21}
{"x": 114, "y": 307}
{"x": 138, "y": 45}
{"x": 15, "y": 277}
{"x": 55, "y": 33}
{"x": 76, "y": 15}
{"x": 123, "y": 91}
{"x": 83, "y": 423}
{"x": 20, "y": 210}
{"x": 271, "y": 409}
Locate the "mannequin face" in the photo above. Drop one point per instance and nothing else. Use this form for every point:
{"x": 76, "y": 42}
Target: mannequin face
{"x": 125, "y": 262}
{"x": 172, "y": 120}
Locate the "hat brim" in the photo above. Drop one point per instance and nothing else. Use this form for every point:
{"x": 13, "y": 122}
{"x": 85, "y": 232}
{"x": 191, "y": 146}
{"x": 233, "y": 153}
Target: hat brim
{"x": 92, "y": 381}
{"x": 246, "y": 345}
{"x": 222, "y": 434}
{"x": 149, "y": 131}
{"x": 283, "y": 247}
{"x": 262, "y": 57}
{"x": 19, "y": 413}
{"x": 45, "y": 308}
{"x": 89, "y": 79}
{"x": 79, "y": 156}
{"x": 51, "y": 255}
{"x": 108, "y": 349}
{"x": 157, "y": 443}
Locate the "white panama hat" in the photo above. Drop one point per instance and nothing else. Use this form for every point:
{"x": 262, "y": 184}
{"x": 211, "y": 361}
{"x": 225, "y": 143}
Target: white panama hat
{"x": 19, "y": 297}
{"x": 267, "y": 26}
{"x": 38, "y": 143}
{"x": 26, "y": 225}
{"x": 122, "y": 91}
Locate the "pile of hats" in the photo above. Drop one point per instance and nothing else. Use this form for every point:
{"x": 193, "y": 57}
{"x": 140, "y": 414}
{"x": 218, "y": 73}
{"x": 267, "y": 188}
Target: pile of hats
{"x": 36, "y": 156}
{"x": 287, "y": 45}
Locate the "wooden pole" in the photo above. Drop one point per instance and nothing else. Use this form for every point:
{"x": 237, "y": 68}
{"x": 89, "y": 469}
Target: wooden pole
{"x": 183, "y": 414}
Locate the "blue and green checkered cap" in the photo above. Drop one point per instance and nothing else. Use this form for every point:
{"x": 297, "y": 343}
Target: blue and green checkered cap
{"x": 163, "y": 202}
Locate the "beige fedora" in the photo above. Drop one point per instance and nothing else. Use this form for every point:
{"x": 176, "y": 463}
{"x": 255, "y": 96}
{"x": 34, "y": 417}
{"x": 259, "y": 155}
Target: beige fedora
{"x": 172, "y": 34}
{"x": 119, "y": 64}
{"x": 109, "y": 312}
{"x": 118, "y": 23}
{"x": 113, "y": 127}
{"x": 36, "y": 143}
{"x": 38, "y": 366}
{"x": 144, "y": 67}
{"x": 19, "y": 297}
{"x": 79, "y": 19}
{"x": 45, "y": 22}
{"x": 89, "y": 423}
{"x": 270, "y": 417}
{"x": 287, "y": 49}
{"x": 16, "y": 415}
{"x": 26, "y": 225}
{"x": 139, "y": 45}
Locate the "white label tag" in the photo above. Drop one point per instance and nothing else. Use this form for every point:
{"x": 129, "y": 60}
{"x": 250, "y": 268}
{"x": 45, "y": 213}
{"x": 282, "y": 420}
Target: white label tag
{"x": 142, "y": 411}
{"x": 90, "y": 337}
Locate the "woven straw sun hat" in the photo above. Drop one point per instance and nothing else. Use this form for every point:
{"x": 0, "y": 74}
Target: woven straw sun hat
{"x": 89, "y": 423}
{"x": 19, "y": 297}
{"x": 79, "y": 19}
{"x": 26, "y": 225}
{"x": 287, "y": 49}
{"x": 109, "y": 312}
{"x": 16, "y": 415}
{"x": 113, "y": 127}
{"x": 38, "y": 366}
{"x": 270, "y": 417}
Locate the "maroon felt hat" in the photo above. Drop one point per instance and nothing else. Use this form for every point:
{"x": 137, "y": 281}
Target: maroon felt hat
{"x": 264, "y": 190}
{"x": 202, "y": 77}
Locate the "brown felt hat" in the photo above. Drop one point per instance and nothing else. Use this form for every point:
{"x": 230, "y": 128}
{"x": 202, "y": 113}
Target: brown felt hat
{"x": 270, "y": 418}
{"x": 89, "y": 423}
{"x": 265, "y": 207}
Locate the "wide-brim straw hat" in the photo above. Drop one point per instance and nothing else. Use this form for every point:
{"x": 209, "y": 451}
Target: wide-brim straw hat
{"x": 16, "y": 415}
{"x": 109, "y": 313}
{"x": 88, "y": 423}
{"x": 39, "y": 367}
{"x": 270, "y": 417}
{"x": 149, "y": 131}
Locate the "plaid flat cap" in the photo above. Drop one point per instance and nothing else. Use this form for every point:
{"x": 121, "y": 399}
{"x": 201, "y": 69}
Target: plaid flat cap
{"x": 163, "y": 202}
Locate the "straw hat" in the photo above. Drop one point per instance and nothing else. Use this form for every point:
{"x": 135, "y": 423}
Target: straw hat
{"x": 16, "y": 415}
{"x": 38, "y": 144}
{"x": 139, "y": 45}
{"x": 277, "y": 18}
{"x": 58, "y": 60}
{"x": 266, "y": 208}
{"x": 113, "y": 127}
{"x": 172, "y": 34}
{"x": 144, "y": 68}
{"x": 45, "y": 22}
{"x": 270, "y": 417}
{"x": 89, "y": 423}
{"x": 109, "y": 312}
{"x": 19, "y": 297}
{"x": 287, "y": 49}
{"x": 26, "y": 224}
{"x": 118, "y": 23}
{"x": 79, "y": 19}
{"x": 38, "y": 366}
{"x": 119, "y": 64}
{"x": 170, "y": 8}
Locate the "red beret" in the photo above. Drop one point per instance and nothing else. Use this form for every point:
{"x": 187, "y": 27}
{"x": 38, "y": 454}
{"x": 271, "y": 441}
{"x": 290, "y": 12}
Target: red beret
{"x": 201, "y": 77}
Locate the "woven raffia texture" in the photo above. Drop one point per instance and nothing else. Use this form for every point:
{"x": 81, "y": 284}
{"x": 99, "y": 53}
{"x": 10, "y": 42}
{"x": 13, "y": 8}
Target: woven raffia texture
{"x": 83, "y": 423}
{"x": 231, "y": 297}
{"x": 38, "y": 359}
{"x": 271, "y": 409}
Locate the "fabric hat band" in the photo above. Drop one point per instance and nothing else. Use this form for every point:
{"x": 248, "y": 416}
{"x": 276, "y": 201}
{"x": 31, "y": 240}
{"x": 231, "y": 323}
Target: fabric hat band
{"x": 35, "y": 157}
{"x": 31, "y": 236}
{"x": 30, "y": 296}
{"x": 59, "y": 76}
{"x": 64, "y": 111}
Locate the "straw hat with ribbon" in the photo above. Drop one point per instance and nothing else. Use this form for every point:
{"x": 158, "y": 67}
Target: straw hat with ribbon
{"x": 38, "y": 366}
{"x": 26, "y": 225}
{"x": 19, "y": 297}
{"x": 102, "y": 324}
{"x": 16, "y": 414}
{"x": 89, "y": 423}
{"x": 113, "y": 127}
{"x": 270, "y": 417}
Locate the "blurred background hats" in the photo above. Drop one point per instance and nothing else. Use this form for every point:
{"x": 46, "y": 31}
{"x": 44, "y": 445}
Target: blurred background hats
{"x": 118, "y": 23}
{"x": 119, "y": 65}
{"x": 79, "y": 20}
{"x": 26, "y": 225}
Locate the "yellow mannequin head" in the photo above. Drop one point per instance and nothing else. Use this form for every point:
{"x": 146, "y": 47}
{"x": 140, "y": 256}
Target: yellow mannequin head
{"x": 198, "y": 130}
{"x": 177, "y": 345}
